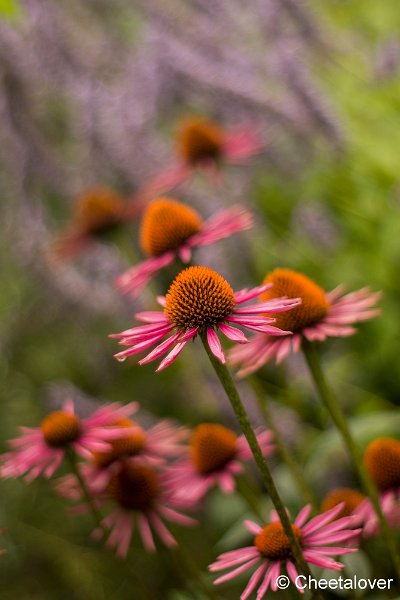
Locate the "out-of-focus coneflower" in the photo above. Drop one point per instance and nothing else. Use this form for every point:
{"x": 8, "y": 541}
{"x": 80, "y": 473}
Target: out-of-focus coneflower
{"x": 348, "y": 498}
{"x": 204, "y": 145}
{"x": 201, "y": 301}
{"x": 40, "y": 450}
{"x": 215, "y": 457}
{"x": 97, "y": 211}
{"x": 361, "y": 508}
{"x": 142, "y": 497}
{"x": 172, "y": 229}
{"x": 153, "y": 446}
{"x": 271, "y": 551}
{"x": 382, "y": 461}
{"x": 319, "y": 316}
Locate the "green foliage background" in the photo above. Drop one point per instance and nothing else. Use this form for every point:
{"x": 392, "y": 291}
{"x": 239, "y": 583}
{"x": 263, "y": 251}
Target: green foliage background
{"x": 49, "y": 554}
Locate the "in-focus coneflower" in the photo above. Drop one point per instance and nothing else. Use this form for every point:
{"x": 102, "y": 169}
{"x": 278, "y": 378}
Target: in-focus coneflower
{"x": 215, "y": 457}
{"x": 319, "y": 316}
{"x": 203, "y": 145}
{"x": 271, "y": 551}
{"x": 171, "y": 229}
{"x": 40, "y": 450}
{"x": 200, "y": 301}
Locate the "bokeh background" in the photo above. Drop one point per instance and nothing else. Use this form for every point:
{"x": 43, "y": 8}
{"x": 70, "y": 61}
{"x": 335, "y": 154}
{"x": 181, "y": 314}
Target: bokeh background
{"x": 91, "y": 93}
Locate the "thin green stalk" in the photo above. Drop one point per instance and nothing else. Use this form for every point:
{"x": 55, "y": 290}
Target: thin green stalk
{"x": 283, "y": 452}
{"x": 313, "y": 361}
{"x": 286, "y": 457}
{"x": 98, "y": 518}
{"x": 229, "y": 386}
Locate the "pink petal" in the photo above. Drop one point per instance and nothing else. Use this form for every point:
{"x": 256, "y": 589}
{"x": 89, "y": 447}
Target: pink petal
{"x": 160, "y": 349}
{"x": 237, "y": 571}
{"x": 173, "y": 355}
{"x": 253, "y": 581}
{"x": 215, "y": 345}
{"x": 232, "y": 333}
{"x": 253, "y": 527}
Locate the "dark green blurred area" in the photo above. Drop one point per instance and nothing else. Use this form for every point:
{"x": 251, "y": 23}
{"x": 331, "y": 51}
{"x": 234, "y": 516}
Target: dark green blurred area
{"x": 338, "y": 221}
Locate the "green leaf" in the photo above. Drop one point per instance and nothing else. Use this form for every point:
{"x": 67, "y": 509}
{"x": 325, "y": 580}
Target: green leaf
{"x": 9, "y": 8}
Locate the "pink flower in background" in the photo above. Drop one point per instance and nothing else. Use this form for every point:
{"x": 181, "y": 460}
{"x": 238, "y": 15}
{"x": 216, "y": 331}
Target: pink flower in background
{"x": 142, "y": 498}
{"x": 215, "y": 457}
{"x": 359, "y": 506}
{"x": 40, "y": 450}
{"x": 390, "y": 505}
{"x": 153, "y": 446}
{"x": 200, "y": 300}
{"x": 203, "y": 145}
{"x": 271, "y": 551}
{"x": 319, "y": 316}
{"x": 96, "y": 212}
{"x": 172, "y": 229}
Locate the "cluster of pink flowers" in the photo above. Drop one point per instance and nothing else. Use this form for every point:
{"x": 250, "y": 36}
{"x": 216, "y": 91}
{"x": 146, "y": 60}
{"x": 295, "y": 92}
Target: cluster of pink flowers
{"x": 141, "y": 476}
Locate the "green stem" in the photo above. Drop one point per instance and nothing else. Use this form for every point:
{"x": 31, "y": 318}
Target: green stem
{"x": 229, "y": 386}
{"x": 98, "y": 518}
{"x": 283, "y": 452}
{"x": 330, "y": 402}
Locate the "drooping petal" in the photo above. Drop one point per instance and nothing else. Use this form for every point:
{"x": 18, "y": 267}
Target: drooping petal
{"x": 215, "y": 345}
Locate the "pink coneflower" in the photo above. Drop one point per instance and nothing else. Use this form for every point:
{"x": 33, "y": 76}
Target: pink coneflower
{"x": 215, "y": 457}
{"x": 271, "y": 548}
{"x": 40, "y": 450}
{"x": 145, "y": 498}
{"x": 153, "y": 446}
{"x": 172, "y": 229}
{"x": 97, "y": 211}
{"x": 390, "y": 506}
{"x": 382, "y": 461}
{"x": 319, "y": 316}
{"x": 200, "y": 300}
{"x": 361, "y": 508}
{"x": 203, "y": 145}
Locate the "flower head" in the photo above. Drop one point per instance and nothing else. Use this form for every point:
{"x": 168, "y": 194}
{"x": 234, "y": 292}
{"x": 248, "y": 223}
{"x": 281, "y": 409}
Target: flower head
{"x": 40, "y": 451}
{"x": 140, "y": 496}
{"x": 382, "y": 461}
{"x": 319, "y": 316}
{"x": 271, "y": 549}
{"x": 97, "y": 211}
{"x": 349, "y": 499}
{"x": 153, "y": 446}
{"x": 170, "y": 228}
{"x": 215, "y": 456}
{"x": 361, "y": 508}
{"x": 203, "y": 145}
{"x": 200, "y": 301}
